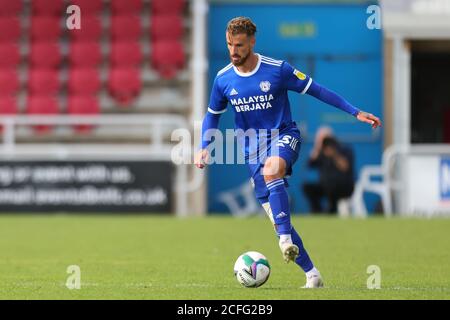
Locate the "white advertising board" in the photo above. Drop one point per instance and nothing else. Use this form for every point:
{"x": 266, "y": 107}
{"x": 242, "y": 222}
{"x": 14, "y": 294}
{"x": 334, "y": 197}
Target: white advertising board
{"x": 427, "y": 185}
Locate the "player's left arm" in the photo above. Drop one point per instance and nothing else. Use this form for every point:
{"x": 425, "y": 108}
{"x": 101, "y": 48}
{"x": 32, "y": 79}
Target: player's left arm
{"x": 302, "y": 83}
{"x": 332, "y": 98}
{"x": 369, "y": 118}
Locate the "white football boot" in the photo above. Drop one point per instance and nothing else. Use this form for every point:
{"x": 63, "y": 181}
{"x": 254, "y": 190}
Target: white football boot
{"x": 313, "y": 281}
{"x": 289, "y": 250}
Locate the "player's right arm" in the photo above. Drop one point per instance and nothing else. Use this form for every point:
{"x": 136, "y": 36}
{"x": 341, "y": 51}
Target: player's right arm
{"x": 217, "y": 106}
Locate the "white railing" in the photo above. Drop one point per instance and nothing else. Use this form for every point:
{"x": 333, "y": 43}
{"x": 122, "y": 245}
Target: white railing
{"x": 157, "y": 149}
{"x": 155, "y": 123}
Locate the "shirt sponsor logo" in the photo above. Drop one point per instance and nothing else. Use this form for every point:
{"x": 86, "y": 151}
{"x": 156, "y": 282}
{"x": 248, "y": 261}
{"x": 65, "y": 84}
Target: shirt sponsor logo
{"x": 252, "y": 103}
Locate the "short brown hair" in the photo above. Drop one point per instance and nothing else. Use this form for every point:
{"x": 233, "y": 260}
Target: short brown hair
{"x": 241, "y": 25}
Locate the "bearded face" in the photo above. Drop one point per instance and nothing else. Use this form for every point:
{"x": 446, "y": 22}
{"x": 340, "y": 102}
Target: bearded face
{"x": 240, "y": 47}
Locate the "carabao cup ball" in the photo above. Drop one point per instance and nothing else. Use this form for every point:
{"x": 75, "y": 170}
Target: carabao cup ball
{"x": 252, "y": 269}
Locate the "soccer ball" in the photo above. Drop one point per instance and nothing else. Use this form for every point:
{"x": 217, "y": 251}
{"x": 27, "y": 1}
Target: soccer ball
{"x": 252, "y": 269}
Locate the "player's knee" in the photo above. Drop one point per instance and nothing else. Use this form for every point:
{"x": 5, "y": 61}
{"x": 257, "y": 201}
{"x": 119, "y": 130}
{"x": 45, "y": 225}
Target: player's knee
{"x": 274, "y": 168}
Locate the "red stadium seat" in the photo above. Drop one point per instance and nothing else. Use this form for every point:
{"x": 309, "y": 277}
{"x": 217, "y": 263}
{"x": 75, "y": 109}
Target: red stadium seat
{"x": 126, "y": 54}
{"x": 9, "y": 82}
{"x": 42, "y": 105}
{"x": 167, "y": 6}
{"x": 91, "y": 30}
{"x": 89, "y": 7}
{"x": 166, "y": 27}
{"x": 126, "y": 28}
{"x": 9, "y": 55}
{"x": 10, "y": 8}
{"x": 8, "y": 106}
{"x": 83, "y": 105}
{"x": 121, "y": 7}
{"x": 85, "y": 54}
{"x": 47, "y": 7}
{"x": 167, "y": 57}
{"x": 9, "y": 29}
{"x": 45, "y": 28}
{"x": 45, "y": 55}
{"x": 43, "y": 82}
{"x": 124, "y": 84}
{"x": 84, "y": 81}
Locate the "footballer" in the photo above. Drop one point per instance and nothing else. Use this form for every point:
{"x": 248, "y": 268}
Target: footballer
{"x": 257, "y": 88}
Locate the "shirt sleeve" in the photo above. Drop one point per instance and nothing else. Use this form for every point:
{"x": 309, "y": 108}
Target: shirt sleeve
{"x": 209, "y": 127}
{"x": 332, "y": 98}
{"x": 294, "y": 79}
{"x": 218, "y": 101}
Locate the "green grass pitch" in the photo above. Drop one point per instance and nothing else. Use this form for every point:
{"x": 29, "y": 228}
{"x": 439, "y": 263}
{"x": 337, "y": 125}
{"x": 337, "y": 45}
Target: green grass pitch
{"x": 157, "y": 257}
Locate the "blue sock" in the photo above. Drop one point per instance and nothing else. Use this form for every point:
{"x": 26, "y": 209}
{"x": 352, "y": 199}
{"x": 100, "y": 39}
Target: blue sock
{"x": 303, "y": 259}
{"x": 279, "y": 202}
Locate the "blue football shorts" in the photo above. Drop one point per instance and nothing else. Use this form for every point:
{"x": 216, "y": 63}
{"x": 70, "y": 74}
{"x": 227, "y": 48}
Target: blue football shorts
{"x": 287, "y": 146}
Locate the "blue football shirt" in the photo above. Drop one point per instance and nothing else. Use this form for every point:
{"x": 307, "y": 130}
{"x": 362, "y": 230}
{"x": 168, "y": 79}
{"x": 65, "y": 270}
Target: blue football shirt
{"x": 259, "y": 99}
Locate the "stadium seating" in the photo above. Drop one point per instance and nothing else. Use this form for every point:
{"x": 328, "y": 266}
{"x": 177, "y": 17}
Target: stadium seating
{"x": 89, "y": 7}
{"x": 9, "y": 82}
{"x": 36, "y": 45}
{"x": 47, "y": 7}
{"x": 85, "y": 54}
{"x": 125, "y": 28}
{"x": 43, "y": 82}
{"x": 167, "y": 6}
{"x": 9, "y": 55}
{"x": 10, "y": 29}
{"x": 42, "y": 105}
{"x": 124, "y": 84}
{"x": 83, "y": 105}
{"x": 45, "y": 55}
{"x": 8, "y": 105}
{"x": 10, "y": 8}
{"x": 122, "y": 7}
{"x": 84, "y": 81}
{"x": 166, "y": 27}
{"x": 167, "y": 57}
{"x": 91, "y": 30}
{"x": 125, "y": 54}
{"x": 45, "y": 28}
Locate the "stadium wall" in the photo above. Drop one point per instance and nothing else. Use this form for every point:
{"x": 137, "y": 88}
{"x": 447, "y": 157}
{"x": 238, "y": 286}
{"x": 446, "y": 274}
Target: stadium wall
{"x": 330, "y": 42}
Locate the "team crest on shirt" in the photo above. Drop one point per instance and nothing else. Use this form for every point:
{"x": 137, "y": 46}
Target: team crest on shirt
{"x": 265, "y": 86}
{"x": 299, "y": 74}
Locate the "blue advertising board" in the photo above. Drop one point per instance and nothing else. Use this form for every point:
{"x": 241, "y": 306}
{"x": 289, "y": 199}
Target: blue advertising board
{"x": 444, "y": 177}
{"x": 334, "y": 46}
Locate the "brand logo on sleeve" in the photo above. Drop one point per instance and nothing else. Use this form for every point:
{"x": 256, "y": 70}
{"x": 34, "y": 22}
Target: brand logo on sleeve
{"x": 299, "y": 74}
